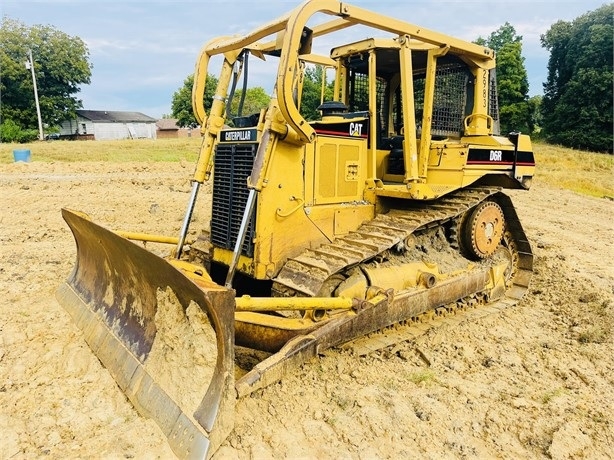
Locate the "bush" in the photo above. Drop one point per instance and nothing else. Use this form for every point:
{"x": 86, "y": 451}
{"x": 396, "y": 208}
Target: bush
{"x": 12, "y": 132}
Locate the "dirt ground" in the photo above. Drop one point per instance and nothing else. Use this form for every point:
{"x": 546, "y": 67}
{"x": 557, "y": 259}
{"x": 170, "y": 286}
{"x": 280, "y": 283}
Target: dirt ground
{"x": 536, "y": 381}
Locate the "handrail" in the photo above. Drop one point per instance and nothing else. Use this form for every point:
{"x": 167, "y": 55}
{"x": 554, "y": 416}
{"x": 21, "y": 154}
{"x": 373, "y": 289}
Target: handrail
{"x": 293, "y": 210}
{"x": 473, "y": 126}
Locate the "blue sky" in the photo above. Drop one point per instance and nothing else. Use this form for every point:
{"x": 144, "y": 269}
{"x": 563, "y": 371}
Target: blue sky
{"x": 142, "y": 50}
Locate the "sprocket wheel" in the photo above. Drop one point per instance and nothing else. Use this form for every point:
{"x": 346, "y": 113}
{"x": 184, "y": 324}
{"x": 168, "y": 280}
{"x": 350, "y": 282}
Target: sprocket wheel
{"x": 483, "y": 230}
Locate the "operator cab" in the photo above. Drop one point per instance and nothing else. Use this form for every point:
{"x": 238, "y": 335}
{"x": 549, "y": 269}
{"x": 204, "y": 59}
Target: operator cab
{"x": 380, "y": 100}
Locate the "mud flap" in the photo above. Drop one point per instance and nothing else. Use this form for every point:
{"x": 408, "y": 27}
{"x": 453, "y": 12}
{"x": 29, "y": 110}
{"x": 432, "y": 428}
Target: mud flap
{"x": 168, "y": 342}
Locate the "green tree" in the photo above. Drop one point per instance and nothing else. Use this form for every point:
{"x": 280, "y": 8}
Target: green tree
{"x": 181, "y": 105}
{"x": 578, "y": 97}
{"x": 512, "y": 80}
{"x": 61, "y": 65}
{"x": 535, "y": 104}
{"x": 255, "y": 100}
{"x": 312, "y": 92}
{"x": 12, "y": 132}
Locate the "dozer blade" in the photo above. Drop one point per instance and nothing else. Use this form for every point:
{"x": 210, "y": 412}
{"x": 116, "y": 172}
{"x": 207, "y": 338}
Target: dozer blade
{"x": 167, "y": 341}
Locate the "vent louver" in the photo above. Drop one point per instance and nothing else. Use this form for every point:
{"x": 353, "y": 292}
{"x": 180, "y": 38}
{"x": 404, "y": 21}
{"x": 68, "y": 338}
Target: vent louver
{"x": 233, "y": 165}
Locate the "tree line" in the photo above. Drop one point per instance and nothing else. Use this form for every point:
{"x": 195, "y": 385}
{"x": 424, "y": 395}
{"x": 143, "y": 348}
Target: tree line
{"x": 61, "y": 65}
{"x": 576, "y": 109}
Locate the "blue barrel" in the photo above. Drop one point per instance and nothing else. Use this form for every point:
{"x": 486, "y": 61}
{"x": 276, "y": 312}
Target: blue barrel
{"x": 21, "y": 155}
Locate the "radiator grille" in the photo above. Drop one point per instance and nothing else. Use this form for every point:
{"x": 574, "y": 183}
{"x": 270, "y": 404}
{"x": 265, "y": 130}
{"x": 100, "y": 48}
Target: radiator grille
{"x": 233, "y": 165}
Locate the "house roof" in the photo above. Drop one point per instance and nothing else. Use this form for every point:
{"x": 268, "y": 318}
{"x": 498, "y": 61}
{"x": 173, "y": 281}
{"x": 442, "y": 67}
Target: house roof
{"x": 167, "y": 124}
{"x": 108, "y": 116}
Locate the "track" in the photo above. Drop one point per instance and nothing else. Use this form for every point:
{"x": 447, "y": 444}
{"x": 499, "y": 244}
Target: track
{"x": 307, "y": 274}
{"x": 465, "y": 310}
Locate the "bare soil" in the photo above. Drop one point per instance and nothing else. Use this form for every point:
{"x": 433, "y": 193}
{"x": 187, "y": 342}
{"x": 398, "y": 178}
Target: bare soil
{"x": 535, "y": 381}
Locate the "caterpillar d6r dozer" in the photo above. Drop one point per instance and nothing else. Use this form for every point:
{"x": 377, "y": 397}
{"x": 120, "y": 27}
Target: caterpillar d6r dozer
{"x": 387, "y": 209}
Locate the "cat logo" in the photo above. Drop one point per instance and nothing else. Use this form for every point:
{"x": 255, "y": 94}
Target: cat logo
{"x": 356, "y": 129}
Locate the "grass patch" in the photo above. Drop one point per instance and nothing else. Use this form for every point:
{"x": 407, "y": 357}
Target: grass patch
{"x": 121, "y": 151}
{"x": 424, "y": 377}
{"x": 582, "y": 172}
{"x": 594, "y": 334}
{"x": 550, "y": 395}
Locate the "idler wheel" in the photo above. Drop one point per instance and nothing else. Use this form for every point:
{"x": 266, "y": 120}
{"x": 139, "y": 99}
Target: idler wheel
{"x": 483, "y": 229}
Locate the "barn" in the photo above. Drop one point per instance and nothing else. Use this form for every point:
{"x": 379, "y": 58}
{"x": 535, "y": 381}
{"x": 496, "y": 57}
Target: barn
{"x": 109, "y": 125}
{"x": 169, "y": 129}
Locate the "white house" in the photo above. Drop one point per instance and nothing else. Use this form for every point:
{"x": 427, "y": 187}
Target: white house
{"x": 109, "y": 125}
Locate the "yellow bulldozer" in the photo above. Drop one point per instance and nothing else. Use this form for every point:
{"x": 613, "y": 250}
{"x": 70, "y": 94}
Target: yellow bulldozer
{"x": 388, "y": 209}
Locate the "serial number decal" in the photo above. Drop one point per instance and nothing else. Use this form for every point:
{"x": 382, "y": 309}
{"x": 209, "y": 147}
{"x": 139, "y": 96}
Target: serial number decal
{"x": 504, "y": 157}
{"x": 496, "y": 155}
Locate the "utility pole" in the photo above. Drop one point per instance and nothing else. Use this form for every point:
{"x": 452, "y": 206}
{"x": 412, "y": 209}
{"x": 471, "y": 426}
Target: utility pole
{"x": 30, "y": 65}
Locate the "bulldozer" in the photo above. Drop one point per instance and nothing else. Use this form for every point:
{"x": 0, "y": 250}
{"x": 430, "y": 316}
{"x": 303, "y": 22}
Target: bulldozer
{"x": 386, "y": 209}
